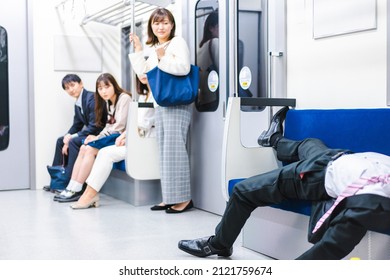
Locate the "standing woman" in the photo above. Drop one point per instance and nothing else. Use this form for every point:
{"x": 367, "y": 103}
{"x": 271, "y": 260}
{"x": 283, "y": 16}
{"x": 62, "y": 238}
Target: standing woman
{"x": 171, "y": 54}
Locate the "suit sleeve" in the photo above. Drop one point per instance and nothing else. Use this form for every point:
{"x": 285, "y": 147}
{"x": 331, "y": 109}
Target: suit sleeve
{"x": 90, "y": 127}
{"x": 77, "y": 122}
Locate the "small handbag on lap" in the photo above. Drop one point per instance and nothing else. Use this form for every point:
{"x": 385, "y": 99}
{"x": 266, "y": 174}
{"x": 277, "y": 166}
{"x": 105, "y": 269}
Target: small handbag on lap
{"x": 105, "y": 141}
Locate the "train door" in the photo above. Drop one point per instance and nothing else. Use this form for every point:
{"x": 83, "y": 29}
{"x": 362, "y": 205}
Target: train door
{"x": 14, "y": 128}
{"x": 242, "y": 56}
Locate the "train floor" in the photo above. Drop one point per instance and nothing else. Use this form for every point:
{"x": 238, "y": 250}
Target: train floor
{"x": 34, "y": 227}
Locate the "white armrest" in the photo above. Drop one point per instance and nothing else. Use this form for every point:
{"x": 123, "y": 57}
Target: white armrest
{"x": 142, "y": 155}
{"x": 239, "y": 161}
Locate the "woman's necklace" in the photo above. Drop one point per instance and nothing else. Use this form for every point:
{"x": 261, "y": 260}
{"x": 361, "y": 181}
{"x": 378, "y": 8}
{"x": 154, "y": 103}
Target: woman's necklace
{"x": 164, "y": 45}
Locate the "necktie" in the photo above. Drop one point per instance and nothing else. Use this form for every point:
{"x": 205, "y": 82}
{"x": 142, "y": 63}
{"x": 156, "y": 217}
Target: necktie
{"x": 349, "y": 191}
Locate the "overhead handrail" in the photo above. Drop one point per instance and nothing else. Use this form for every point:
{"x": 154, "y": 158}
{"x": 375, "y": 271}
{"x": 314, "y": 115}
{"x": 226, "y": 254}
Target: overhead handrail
{"x": 125, "y": 10}
{"x": 103, "y": 12}
{"x": 126, "y": 20}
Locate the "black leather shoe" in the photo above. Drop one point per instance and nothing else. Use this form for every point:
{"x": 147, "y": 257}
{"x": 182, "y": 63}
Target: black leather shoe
{"x": 48, "y": 189}
{"x": 160, "y": 207}
{"x": 62, "y": 194}
{"x": 201, "y": 247}
{"x": 72, "y": 198}
{"x": 173, "y": 211}
{"x": 268, "y": 138}
{"x": 68, "y": 197}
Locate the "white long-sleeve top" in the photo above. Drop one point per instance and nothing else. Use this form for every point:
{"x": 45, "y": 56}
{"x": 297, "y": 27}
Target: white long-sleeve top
{"x": 121, "y": 110}
{"x": 176, "y": 60}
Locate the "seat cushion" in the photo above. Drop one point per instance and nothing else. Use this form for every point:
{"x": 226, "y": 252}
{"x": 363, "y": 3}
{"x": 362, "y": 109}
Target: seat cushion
{"x": 120, "y": 165}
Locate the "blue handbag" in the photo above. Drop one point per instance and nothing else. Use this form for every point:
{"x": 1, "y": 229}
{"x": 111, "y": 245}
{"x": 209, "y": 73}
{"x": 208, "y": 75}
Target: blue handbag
{"x": 105, "y": 141}
{"x": 59, "y": 178}
{"x": 172, "y": 90}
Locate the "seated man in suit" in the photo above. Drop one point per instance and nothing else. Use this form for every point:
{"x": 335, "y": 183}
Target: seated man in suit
{"x": 359, "y": 181}
{"x": 68, "y": 146}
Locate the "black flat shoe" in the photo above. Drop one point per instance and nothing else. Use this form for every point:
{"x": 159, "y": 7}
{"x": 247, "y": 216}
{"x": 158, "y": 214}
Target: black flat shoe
{"x": 160, "y": 207}
{"x": 173, "y": 211}
{"x": 201, "y": 247}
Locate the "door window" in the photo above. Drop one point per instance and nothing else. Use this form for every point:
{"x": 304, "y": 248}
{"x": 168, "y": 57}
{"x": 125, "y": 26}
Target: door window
{"x": 4, "y": 106}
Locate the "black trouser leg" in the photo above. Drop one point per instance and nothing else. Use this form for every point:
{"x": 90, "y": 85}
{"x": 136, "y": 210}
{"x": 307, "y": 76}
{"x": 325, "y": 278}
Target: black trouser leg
{"x": 275, "y": 186}
{"x": 291, "y": 151}
{"x": 58, "y": 157}
{"x": 262, "y": 190}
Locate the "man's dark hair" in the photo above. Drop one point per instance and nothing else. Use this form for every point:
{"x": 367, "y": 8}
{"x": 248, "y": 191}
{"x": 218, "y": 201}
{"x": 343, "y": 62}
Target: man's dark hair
{"x": 70, "y": 78}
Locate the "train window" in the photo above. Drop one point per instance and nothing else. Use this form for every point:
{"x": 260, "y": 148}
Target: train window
{"x": 4, "y": 106}
{"x": 207, "y": 54}
{"x": 252, "y": 49}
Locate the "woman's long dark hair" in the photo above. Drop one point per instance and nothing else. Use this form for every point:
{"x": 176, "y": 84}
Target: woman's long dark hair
{"x": 157, "y": 16}
{"x": 211, "y": 21}
{"x": 141, "y": 88}
{"x": 100, "y": 103}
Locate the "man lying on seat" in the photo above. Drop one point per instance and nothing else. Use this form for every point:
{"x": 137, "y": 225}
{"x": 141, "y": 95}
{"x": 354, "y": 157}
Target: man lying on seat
{"x": 359, "y": 181}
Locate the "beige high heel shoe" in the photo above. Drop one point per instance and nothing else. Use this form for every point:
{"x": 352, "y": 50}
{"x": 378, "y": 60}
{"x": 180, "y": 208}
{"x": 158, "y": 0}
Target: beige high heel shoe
{"x": 93, "y": 203}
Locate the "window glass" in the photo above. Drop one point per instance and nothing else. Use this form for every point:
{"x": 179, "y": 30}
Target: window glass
{"x": 4, "y": 98}
{"x": 207, "y": 54}
{"x": 252, "y": 50}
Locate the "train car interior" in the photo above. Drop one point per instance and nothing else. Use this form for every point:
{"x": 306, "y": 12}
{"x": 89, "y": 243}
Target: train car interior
{"x": 327, "y": 60}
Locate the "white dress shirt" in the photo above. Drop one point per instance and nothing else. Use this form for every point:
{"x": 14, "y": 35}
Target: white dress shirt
{"x": 349, "y": 168}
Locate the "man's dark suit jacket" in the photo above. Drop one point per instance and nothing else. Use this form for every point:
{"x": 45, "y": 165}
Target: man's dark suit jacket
{"x": 84, "y": 124}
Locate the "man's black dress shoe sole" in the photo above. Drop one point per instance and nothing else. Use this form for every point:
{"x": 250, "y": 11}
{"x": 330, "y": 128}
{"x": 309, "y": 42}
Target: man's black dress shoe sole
{"x": 173, "y": 211}
{"x": 202, "y": 248}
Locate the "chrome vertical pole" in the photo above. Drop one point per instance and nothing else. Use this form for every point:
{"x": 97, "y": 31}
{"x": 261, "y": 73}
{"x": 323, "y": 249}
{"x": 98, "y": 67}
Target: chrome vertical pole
{"x": 132, "y": 30}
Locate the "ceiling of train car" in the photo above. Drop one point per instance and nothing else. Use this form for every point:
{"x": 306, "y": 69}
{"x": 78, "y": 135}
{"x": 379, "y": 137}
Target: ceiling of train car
{"x": 118, "y": 14}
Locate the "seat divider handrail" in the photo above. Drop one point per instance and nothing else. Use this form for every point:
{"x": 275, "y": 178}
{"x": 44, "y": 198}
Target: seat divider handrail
{"x": 250, "y": 101}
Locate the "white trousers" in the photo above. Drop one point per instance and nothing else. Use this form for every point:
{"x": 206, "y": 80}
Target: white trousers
{"x": 103, "y": 165}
